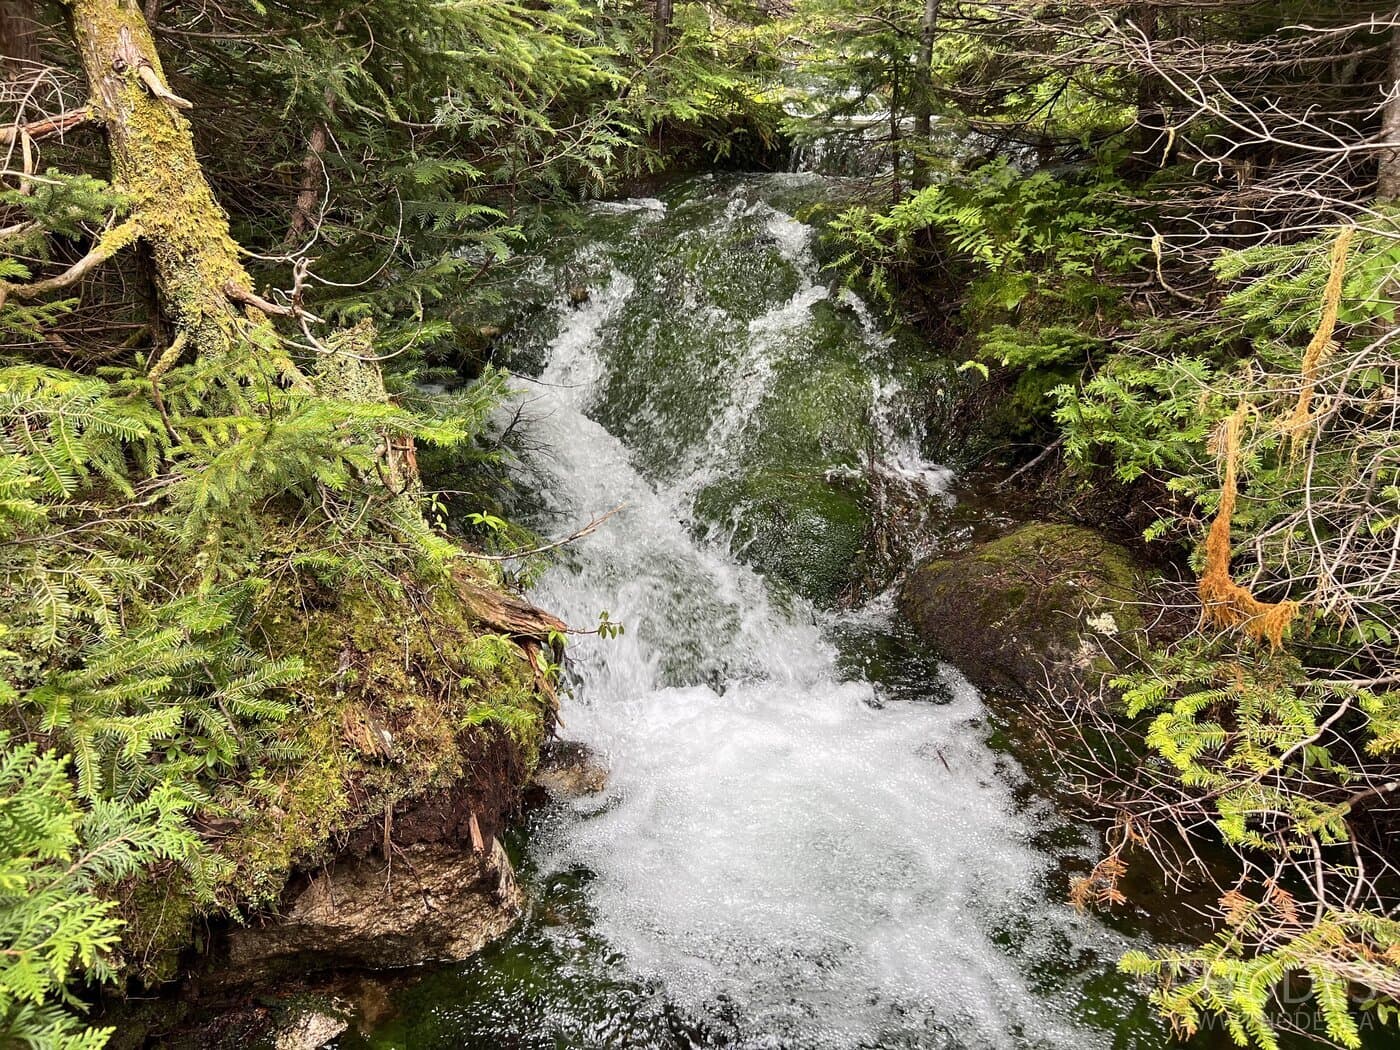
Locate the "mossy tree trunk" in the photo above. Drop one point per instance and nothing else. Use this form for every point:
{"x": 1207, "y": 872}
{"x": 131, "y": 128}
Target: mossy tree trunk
{"x": 200, "y": 279}
{"x": 205, "y": 294}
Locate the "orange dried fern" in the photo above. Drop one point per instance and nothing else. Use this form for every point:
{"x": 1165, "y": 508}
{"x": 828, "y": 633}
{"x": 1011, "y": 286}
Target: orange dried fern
{"x": 1225, "y": 603}
{"x": 1321, "y": 347}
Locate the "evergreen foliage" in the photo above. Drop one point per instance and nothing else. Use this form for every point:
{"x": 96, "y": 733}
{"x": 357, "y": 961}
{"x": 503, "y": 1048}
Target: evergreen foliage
{"x": 1171, "y": 243}
{"x": 1166, "y": 232}
{"x": 183, "y": 458}
{"x": 55, "y": 858}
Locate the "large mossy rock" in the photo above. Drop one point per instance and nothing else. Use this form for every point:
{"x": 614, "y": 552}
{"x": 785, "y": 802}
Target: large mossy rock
{"x": 1041, "y": 606}
{"x": 412, "y": 737}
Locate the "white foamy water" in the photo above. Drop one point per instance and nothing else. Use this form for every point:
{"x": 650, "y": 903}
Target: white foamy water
{"x": 783, "y": 854}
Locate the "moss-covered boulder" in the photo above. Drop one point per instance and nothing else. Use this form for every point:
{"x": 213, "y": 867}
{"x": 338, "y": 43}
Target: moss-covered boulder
{"x": 1042, "y": 606}
{"x": 803, "y": 532}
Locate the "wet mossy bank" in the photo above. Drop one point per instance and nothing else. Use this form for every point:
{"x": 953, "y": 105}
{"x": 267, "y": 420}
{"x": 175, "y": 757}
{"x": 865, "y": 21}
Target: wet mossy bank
{"x": 719, "y": 285}
{"x": 370, "y": 837}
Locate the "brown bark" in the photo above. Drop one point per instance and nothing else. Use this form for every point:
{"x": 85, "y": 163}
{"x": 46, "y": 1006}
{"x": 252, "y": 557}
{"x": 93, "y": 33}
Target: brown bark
{"x": 923, "y": 89}
{"x": 37, "y": 129}
{"x": 661, "y": 40}
{"x": 1388, "y": 181}
{"x": 313, "y": 167}
{"x": 18, "y": 44}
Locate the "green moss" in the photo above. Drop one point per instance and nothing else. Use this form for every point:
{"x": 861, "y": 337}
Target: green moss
{"x": 1009, "y": 609}
{"x": 390, "y": 707}
{"x": 160, "y": 910}
{"x": 403, "y": 693}
{"x": 803, "y": 532}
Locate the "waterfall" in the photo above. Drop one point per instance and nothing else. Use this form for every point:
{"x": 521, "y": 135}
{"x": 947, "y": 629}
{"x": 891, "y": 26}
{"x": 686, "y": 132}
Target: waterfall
{"x": 791, "y": 854}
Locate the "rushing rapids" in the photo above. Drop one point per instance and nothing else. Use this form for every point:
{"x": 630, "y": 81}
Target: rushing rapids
{"x": 807, "y": 840}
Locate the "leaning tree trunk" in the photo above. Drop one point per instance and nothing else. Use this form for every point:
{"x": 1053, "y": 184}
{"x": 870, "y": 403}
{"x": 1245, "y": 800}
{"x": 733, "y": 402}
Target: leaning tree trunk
{"x": 204, "y": 291}
{"x": 1388, "y": 184}
{"x": 199, "y": 276}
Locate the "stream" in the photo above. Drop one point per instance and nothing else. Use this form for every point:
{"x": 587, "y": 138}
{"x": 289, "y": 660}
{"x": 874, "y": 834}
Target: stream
{"x": 810, "y": 838}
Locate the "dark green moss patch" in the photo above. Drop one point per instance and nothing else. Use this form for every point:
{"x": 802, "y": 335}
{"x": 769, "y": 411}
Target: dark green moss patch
{"x": 1024, "y": 609}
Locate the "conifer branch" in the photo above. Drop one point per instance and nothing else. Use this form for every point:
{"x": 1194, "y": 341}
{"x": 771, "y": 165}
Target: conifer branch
{"x": 55, "y": 125}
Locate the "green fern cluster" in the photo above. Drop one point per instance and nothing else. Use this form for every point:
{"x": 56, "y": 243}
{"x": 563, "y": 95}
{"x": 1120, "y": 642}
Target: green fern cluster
{"x": 1025, "y": 235}
{"x": 55, "y": 858}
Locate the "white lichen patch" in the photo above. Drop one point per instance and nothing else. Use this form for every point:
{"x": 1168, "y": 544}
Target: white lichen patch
{"x": 1103, "y": 623}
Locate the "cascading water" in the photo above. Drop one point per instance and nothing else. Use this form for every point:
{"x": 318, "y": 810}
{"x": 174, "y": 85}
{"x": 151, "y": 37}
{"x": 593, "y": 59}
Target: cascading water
{"x": 806, "y": 840}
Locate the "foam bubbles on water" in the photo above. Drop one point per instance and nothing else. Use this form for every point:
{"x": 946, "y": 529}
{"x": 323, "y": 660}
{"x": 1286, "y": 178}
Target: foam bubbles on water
{"x": 574, "y": 371}
{"x": 792, "y": 861}
{"x": 837, "y": 872}
{"x": 632, "y": 204}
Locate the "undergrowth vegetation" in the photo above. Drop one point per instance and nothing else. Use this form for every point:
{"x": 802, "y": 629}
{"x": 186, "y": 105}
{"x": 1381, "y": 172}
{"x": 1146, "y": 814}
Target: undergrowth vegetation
{"x": 253, "y": 261}
{"x": 1170, "y": 234}
{"x": 256, "y": 259}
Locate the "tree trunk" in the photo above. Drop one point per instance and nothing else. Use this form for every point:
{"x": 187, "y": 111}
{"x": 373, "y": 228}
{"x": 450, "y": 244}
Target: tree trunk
{"x": 313, "y": 168}
{"x": 923, "y": 89}
{"x": 1388, "y": 182}
{"x": 203, "y": 288}
{"x": 661, "y": 40}
{"x": 19, "y": 51}
{"x": 173, "y": 211}
{"x": 1153, "y": 147}
{"x": 894, "y": 135}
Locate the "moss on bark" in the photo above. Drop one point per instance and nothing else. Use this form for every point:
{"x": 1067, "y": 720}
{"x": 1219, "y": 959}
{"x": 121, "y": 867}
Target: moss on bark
{"x": 172, "y": 207}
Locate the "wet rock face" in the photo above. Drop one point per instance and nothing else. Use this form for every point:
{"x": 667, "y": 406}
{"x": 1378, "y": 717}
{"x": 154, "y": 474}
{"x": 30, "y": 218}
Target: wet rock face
{"x": 310, "y": 1030}
{"x": 435, "y": 902}
{"x": 569, "y": 769}
{"x": 1033, "y": 609}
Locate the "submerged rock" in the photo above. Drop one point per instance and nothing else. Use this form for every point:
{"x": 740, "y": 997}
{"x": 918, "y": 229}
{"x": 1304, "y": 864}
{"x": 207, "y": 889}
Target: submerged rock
{"x": 1033, "y": 609}
{"x": 310, "y": 1029}
{"x": 569, "y": 769}
{"x": 431, "y": 902}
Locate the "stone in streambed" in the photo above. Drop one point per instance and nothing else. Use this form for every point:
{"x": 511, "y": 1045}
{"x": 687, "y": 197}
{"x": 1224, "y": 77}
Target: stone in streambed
{"x": 1036, "y": 608}
{"x": 569, "y": 769}
{"x": 310, "y": 1029}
